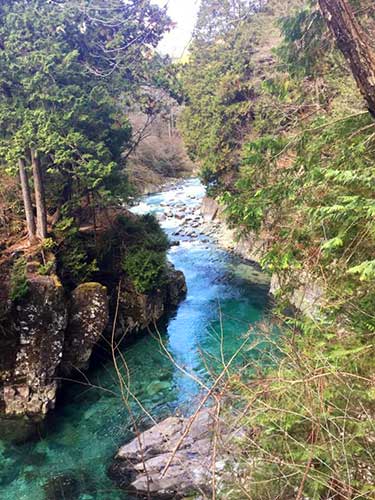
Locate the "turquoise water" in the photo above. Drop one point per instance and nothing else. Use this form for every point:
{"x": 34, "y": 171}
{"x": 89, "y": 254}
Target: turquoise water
{"x": 70, "y": 461}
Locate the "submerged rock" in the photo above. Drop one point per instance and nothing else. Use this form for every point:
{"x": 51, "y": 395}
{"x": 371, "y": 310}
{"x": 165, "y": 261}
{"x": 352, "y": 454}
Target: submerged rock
{"x": 150, "y": 464}
{"x": 63, "y": 486}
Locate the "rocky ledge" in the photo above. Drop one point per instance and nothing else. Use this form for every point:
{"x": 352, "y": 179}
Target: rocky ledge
{"x": 137, "y": 311}
{"x": 50, "y": 334}
{"x": 172, "y": 460}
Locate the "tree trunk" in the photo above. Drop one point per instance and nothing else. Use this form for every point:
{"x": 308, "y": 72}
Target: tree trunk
{"x": 26, "y": 195}
{"x": 351, "y": 40}
{"x": 41, "y": 212}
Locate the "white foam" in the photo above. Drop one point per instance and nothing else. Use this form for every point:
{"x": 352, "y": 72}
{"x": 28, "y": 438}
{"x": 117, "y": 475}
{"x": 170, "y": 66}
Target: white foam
{"x": 141, "y": 209}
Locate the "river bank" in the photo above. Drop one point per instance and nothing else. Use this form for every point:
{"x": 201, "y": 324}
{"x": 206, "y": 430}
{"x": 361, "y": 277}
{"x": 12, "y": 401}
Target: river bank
{"x": 92, "y": 421}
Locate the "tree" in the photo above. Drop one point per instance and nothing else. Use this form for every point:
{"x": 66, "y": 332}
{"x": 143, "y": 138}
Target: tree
{"x": 67, "y": 70}
{"x": 40, "y": 201}
{"x": 26, "y": 195}
{"x": 218, "y": 87}
{"x": 352, "y": 41}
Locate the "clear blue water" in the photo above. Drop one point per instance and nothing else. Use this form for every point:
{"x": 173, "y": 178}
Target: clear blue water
{"x": 70, "y": 461}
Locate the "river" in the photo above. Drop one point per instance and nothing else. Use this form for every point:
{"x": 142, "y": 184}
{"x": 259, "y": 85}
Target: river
{"x": 70, "y": 461}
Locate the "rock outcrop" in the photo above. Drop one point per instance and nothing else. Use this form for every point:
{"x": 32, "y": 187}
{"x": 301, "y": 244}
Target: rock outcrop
{"x": 307, "y": 294}
{"x": 251, "y": 247}
{"x": 49, "y": 334}
{"x": 88, "y": 318}
{"x": 138, "y": 311}
{"x": 176, "y": 286}
{"x": 33, "y": 350}
{"x": 173, "y": 459}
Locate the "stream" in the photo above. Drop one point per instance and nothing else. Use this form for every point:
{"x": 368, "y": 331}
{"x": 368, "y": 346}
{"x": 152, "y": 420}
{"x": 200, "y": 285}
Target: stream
{"x": 70, "y": 461}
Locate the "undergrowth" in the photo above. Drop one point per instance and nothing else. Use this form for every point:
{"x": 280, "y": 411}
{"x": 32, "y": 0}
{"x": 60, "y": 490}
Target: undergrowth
{"x": 309, "y": 424}
{"x": 144, "y": 259}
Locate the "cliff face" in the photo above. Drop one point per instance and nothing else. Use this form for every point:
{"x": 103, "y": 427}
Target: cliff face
{"x": 306, "y": 294}
{"x": 50, "y": 334}
{"x": 33, "y": 340}
{"x": 137, "y": 311}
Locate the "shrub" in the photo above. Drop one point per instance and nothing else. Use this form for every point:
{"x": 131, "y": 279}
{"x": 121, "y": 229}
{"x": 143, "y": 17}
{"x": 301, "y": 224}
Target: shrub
{"x": 74, "y": 259}
{"x": 307, "y": 427}
{"x": 145, "y": 268}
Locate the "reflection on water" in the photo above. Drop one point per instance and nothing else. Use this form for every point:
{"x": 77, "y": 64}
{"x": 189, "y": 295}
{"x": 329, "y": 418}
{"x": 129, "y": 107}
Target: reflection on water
{"x": 70, "y": 462}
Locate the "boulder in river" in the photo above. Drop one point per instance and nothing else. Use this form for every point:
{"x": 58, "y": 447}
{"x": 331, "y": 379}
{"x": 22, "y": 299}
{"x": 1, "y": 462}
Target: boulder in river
{"x": 137, "y": 311}
{"x": 180, "y": 215}
{"x": 176, "y": 286}
{"x": 171, "y": 460}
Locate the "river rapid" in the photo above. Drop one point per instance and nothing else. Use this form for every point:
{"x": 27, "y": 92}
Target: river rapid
{"x": 71, "y": 459}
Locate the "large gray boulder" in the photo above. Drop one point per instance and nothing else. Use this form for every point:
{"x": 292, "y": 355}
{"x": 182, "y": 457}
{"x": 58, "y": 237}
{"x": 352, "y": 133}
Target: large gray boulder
{"x": 43, "y": 336}
{"x": 150, "y": 464}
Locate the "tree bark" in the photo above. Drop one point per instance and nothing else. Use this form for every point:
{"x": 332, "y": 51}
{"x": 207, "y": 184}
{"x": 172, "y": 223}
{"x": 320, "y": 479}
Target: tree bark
{"x": 41, "y": 212}
{"x": 26, "y": 195}
{"x": 352, "y": 41}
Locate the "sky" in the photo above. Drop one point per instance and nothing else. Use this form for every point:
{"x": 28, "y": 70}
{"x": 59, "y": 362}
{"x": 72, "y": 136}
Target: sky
{"x": 184, "y": 14}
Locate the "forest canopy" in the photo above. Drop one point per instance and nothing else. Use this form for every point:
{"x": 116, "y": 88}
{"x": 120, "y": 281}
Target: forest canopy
{"x": 68, "y": 72}
{"x": 280, "y": 117}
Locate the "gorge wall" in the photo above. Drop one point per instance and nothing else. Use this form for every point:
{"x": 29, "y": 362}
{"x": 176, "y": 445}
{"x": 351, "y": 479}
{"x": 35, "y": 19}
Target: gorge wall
{"x": 50, "y": 333}
{"x": 305, "y": 292}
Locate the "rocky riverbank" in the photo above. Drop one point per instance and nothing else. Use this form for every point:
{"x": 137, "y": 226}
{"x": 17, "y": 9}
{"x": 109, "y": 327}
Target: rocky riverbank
{"x": 204, "y": 221}
{"x": 49, "y": 332}
{"x": 173, "y": 459}
{"x": 307, "y": 294}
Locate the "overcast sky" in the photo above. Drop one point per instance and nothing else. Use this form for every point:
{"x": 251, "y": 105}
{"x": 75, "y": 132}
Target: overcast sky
{"x": 183, "y": 13}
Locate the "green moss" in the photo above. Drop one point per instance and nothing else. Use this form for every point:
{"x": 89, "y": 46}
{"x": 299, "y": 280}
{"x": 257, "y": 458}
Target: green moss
{"x": 90, "y": 286}
{"x": 19, "y": 286}
{"x": 46, "y": 268}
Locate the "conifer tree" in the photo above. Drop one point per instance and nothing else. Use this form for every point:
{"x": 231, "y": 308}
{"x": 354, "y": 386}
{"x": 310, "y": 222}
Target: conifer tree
{"x": 67, "y": 70}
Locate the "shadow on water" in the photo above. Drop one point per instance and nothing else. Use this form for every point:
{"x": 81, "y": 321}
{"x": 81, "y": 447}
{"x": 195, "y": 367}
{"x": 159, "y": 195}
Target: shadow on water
{"x": 70, "y": 460}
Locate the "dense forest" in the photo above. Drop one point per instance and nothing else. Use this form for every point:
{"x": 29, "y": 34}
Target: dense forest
{"x": 280, "y": 116}
{"x": 273, "y": 105}
{"x": 72, "y": 75}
